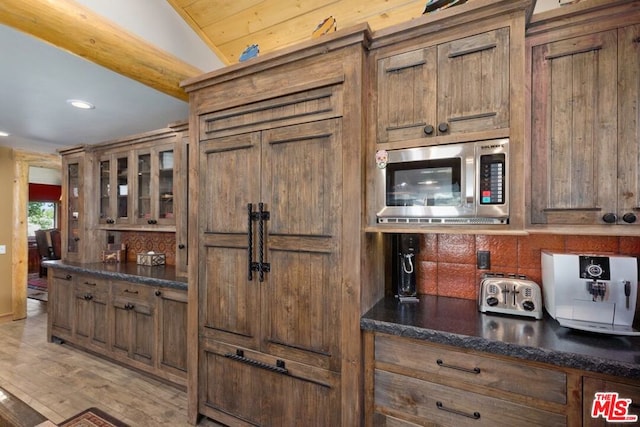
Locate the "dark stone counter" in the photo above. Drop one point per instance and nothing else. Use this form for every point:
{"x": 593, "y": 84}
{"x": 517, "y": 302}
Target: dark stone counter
{"x": 459, "y": 323}
{"x": 162, "y": 275}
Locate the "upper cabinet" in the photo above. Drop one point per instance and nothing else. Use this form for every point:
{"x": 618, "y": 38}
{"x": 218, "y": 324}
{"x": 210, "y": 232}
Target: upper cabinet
{"x": 136, "y": 178}
{"x": 77, "y": 210}
{"x": 449, "y": 77}
{"x": 585, "y": 155}
{"x": 450, "y": 88}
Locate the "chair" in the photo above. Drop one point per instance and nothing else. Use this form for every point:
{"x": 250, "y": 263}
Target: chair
{"x": 49, "y": 246}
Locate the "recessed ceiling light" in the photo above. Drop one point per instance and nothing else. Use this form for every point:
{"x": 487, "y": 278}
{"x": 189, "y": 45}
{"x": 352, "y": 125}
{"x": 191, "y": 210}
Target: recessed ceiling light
{"x": 78, "y": 103}
{"x": 4, "y": 133}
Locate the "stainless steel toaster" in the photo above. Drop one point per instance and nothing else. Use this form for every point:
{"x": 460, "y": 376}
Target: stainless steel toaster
{"x": 510, "y": 294}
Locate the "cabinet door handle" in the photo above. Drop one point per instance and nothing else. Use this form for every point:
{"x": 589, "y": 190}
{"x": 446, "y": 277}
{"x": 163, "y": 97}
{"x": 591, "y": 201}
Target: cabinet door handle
{"x": 475, "y": 415}
{"x": 129, "y": 306}
{"x": 158, "y": 292}
{"x": 181, "y": 246}
{"x": 67, "y": 277}
{"x": 88, "y": 297}
{"x": 458, "y": 368}
{"x": 250, "y": 242}
{"x": 239, "y": 356}
{"x": 89, "y": 283}
{"x": 127, "y": 291}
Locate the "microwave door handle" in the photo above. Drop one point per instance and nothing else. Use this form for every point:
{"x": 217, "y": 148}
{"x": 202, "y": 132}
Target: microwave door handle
{"x": 469, "y": 180}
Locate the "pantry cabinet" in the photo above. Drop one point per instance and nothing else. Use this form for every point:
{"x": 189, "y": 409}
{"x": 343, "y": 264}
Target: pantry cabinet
{"x": 456, "y": 87}
{"x": 277, "y": 297}
{"x": 417, "y": 382}
{"x": 585, "y": 154}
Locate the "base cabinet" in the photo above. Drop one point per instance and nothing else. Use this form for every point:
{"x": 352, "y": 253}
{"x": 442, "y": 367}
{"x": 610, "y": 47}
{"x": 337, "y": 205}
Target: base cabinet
{"x": 415, "y": 382}
{"x": 142, "y": 326}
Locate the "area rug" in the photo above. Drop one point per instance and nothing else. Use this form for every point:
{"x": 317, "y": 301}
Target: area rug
{"x": 39, "y": 295}
{"x": 93, "y": 417}
{"x": 36, "y": 282}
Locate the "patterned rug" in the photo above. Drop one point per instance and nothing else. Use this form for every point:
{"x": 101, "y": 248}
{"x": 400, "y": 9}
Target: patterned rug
{"x": 93, "y": 417}
{"x": 37, "y": 287}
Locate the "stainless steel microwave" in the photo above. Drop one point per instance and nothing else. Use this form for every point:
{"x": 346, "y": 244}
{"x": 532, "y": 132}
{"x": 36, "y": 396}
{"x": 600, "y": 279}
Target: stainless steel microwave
{"x": 464, "y": 183}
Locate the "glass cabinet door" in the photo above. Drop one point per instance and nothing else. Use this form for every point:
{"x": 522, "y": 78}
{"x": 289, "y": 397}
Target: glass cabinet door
{"x": 144, "y": 187}
{"x": 73, "y": 214}
{"x": 122, "y": 175}
{"x": 165, "y": 184}
{"x": 105, "y": 190}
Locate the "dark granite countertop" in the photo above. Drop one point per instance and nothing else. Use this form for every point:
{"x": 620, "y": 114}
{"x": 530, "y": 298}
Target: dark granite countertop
{"x": 161, "y": 275}
{"x": 459, "y": 323}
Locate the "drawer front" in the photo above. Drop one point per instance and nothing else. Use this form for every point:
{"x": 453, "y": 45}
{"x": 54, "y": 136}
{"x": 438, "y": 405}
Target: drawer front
{"x": 418, "y": 401}
{"x": 130, "y": 291}
{"x": 511, "y": 376}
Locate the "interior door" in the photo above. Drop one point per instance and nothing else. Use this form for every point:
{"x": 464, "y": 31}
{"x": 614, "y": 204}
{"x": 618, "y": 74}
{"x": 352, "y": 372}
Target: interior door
{"x": 230, "y": 180}
{"x": 302, "y": 177}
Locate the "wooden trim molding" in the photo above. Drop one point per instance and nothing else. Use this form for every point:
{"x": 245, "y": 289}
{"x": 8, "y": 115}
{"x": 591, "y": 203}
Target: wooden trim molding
{"x": 20, "y": 251}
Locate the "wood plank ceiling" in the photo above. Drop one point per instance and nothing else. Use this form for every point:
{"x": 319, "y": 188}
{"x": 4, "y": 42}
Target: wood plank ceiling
{"x": 229, "y": 26}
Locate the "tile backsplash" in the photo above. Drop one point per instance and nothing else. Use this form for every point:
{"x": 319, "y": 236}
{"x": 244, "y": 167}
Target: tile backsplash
{"x": 447, "y": 262}
{"x": 138, "y": 241}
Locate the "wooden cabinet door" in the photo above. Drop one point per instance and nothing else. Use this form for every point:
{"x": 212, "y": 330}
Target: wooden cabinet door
{"x": 406, "y": 95}
{"x": 302, "y": 176}
{"x": 574, "y": 130}
{"x": 90, "y": 305}
{"x": 172, "y": 319}
{"x": 229, "y": 181}
{"x": 473, "y": 83}
{"x": 134, "y": 328}
{"x": 73, "y": 215}
{"x": 628, "y": 123}
{"x": 61, "y": 303}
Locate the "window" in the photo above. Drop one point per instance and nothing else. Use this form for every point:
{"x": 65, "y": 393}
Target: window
{"x": 42, "y": 216}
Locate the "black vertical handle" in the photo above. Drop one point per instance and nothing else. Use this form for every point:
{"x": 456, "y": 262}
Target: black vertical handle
{"x": 261, "y": 238}
{"x": 250, "y": 243}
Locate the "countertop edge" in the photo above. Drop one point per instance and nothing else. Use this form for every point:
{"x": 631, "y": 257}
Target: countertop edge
{"x": 134, "y": 278}
{"x": 547, "y": 356}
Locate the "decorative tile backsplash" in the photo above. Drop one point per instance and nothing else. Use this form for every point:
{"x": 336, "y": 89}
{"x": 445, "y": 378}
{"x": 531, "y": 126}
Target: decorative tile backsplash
{"x": 138, "y": 241}
{"x": 447, "y": 262}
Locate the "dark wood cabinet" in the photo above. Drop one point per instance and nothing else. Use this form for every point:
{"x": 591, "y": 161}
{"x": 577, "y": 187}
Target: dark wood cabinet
{"x": 278, "y": 290}
{"x": 138, "y": 325}
{"x": 584, "y": 146}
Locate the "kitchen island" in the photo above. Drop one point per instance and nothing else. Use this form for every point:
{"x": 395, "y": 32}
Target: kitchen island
{"x": 132, "y": 314}
{"x": 442, "y": 360}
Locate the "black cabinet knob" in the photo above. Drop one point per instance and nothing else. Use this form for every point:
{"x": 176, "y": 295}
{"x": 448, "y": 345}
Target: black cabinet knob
{"x": 76, "y": 239}
{"x": 158, "y": 292}
{"x": 609, "y": 218}
{"x": 443, "y": 127}
{"x": 152, "y": 221}
{"x": 181, "y": 246}
{"x": 428, "y": 130}
{"x": 629, "y": 217}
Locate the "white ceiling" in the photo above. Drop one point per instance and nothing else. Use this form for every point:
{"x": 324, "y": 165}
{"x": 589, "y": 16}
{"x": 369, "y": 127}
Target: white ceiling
{"x": 36, "y": 79}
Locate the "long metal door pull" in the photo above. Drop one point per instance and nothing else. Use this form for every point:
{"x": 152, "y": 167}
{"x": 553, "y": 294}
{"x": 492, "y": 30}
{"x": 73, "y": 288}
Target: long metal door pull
{"x": 239, "y": 356}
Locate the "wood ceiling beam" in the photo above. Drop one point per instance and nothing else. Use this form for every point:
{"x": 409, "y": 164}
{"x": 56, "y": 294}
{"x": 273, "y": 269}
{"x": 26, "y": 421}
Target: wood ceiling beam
{"x": 76, "y": 29}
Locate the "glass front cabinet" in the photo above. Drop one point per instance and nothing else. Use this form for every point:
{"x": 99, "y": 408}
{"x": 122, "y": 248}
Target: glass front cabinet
{"x": 114, "y": 178}
{"x": 154, "y": 180}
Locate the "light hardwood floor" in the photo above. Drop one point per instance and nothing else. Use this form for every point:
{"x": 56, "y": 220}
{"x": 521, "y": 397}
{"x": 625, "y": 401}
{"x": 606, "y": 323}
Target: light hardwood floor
{"x": 59, "y": 381}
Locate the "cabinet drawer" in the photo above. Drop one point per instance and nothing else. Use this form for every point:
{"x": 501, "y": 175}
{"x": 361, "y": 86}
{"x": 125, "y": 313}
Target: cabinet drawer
{"x": 131, "y": 291}
{"x": 455, "y": 366}
{"x": 417, "y": 401}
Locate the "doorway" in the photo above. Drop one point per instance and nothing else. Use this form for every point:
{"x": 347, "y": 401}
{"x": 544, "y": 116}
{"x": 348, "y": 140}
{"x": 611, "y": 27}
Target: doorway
{"x": 23, "y": 161}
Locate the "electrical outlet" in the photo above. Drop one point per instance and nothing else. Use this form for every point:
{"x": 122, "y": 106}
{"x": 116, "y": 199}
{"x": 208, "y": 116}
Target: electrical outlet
{"x": 484, "y": 260}
{"x": 3, "y": 249}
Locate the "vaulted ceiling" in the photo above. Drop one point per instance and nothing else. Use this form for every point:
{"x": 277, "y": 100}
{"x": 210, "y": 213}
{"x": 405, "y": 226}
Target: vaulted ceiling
{"x": 137, "y": 71}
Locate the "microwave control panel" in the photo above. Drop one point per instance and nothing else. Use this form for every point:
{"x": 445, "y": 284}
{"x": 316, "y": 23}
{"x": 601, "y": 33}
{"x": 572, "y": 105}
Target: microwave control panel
{"x": 492, "y": 179}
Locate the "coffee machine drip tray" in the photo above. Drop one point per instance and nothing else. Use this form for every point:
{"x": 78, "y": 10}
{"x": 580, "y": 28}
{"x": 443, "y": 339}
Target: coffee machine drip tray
{"x": 602, "y": 328}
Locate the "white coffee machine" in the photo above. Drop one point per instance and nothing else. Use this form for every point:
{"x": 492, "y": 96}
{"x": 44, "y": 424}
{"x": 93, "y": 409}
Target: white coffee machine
{"x": 595, "y": 293}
